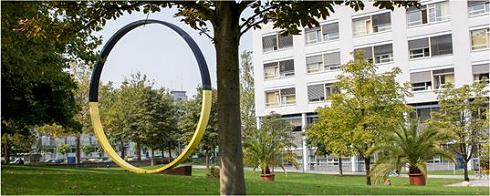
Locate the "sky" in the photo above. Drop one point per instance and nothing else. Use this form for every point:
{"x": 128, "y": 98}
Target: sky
{"x": 159, "y": 52}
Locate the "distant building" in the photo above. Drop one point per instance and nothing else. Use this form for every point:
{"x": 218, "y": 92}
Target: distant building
{"x": 179, "y": 95}
{"x": 443, "y": 41}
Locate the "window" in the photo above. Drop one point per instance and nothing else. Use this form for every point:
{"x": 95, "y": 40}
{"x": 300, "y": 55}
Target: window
{"x": 428, "y": 13}
{"x": 269, "y": 43}
{"x": 421, "y": 81}
{"x": 324, "y": 33}
{"x": 316, "y": 93}
{"x": 416, "y": 16}
{"x": 438, "y": 11}
{"x": 295, "y": 123}
{"x": 281, "y": 69}
{"x": 480, "y": 38}
{"x": 330, "y": 89}
{"x": 423, "y": 113}
{"x": 280, "y": 97}
{"x": 321, "y": 92}
{"x": 313, "y": 35}
{"x": 441, "y": 45}
{"x": 276, "y": 42}
{"x": 442, "y": 77}
{"x": 381, "y": 53}
{"x": 372, "y": 24}
{"x": 314, "y": 64}
{"x": 272, "y": 98}
{"x": 286, "y": 68}
{"x": 480, "y": 73}
{"x": 477, "y": 7}
{"x": 381, "y": 22}
{"x": 433, "y": 46}
{"x": 330, "y": 31}
{"x": 325, "y": 62}
{"x": 362, "y": 26}
{"x": 332, "y": 61}
{"x": 419, "y": 48}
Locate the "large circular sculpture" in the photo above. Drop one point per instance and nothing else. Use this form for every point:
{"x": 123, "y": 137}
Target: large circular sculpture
{"x": 94, "y": 91}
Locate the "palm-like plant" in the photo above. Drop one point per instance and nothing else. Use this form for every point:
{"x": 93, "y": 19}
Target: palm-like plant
{"x": 269, "y": 146}
{"x": 411, "y": 146}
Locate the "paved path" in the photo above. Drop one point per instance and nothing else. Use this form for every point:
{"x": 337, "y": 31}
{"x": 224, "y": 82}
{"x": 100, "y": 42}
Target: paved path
{"x": 482, "y": 182}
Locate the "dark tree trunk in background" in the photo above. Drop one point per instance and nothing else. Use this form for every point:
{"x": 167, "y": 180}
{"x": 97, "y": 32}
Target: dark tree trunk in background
{"x": 367, "y": 165}
{"x": 465, "y": 169}
{"x": 6, "y": 152}
{"x": 227, "y": 37}
{"x": 206, "y": 154}
{"x": 341, "y": 172}
{"x": 138, "y": 151}
{"x": 123, "y": 150}
{"x": 152, "y": 158}
{"x": 78, "y": 150}
{"x": 169, "y": 152}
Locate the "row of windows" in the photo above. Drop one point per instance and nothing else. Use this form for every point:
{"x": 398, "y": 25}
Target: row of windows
{"x": 418, "y": 48}
{"x": 426, "y": 14}
{"x": 435, "y": 79}
{"x": 421, "y": 81}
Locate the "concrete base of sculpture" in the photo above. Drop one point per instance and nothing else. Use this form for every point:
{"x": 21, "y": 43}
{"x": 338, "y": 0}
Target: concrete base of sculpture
{"x": 184, "y": 170}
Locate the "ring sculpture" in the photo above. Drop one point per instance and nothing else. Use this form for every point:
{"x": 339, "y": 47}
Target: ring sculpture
{"x": 94, "y": 90}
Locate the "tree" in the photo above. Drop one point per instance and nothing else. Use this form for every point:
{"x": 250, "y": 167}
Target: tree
{"x": 63, "y": 148}
{"x": 87, "y": 149}
{"x": 161, "y": 128}
{"x": 270, "y": 145}
{"x": 81, "y": 75}
{"x": 190, "y": 117}
{"x": 247, "y": 94}
{"x": 409, "y": 145}
{"x": 335, "y": 142}
{"x": 367, "y": 108}
{"x": 227, "y": 28}
{"x": 33, "y": 62}
{"x": 464, "y": 113}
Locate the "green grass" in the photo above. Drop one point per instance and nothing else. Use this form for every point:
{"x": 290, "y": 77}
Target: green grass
{"x": 65, "y": 180}
{"x": 450, "y": 172}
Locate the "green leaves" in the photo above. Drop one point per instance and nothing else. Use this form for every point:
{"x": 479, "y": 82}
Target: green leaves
{"x": 413, "y": 145}
{"x": 368, "y": 107}
{"x": 270, "y": 145}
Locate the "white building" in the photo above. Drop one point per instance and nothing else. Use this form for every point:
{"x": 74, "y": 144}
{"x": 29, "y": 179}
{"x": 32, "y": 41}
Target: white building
{"x": 443, "y": 41}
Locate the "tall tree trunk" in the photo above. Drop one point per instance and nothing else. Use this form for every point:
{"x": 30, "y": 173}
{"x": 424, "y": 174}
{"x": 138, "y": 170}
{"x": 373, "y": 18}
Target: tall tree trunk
{"x": 6, "y": 152}
{"x": 341, "y": 173}
{"x": 227, "y": 37}
{"x": 152, "y": 158}
{"x": 465, "y": 168}
{"x": 78, "y": 149}
{"x": 123, "y": 150}
{"x": 169, "y": 152}
{"x": 138, "y": 151}
{"x": 206, "y": 154}
{"x": 367, "y": 164}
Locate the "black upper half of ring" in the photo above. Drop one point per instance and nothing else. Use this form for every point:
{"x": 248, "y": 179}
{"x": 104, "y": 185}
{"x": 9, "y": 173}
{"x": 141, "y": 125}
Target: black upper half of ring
{"x": 201, "y": 62}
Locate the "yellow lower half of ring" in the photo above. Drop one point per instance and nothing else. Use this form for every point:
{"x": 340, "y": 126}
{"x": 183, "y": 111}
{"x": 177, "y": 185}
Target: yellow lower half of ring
{"x": 193, "y": 144}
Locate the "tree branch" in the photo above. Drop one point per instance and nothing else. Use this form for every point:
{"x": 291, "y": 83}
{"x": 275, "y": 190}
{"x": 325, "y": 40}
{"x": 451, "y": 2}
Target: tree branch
{"x": 252, "y": 18}
{"x": 252, "y": 25}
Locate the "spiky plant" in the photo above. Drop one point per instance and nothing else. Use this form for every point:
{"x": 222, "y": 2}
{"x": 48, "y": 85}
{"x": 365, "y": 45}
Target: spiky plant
{"x": 270, "y": 145}
{"x": 409, "y": 145}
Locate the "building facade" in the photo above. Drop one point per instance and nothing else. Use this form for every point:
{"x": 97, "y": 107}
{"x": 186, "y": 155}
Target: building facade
{"x": 443, "y": 41}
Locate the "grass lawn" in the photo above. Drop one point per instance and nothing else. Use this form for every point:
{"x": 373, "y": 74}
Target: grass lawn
{"x": 66, "y": 180}
{"x": 450, "y": 172}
